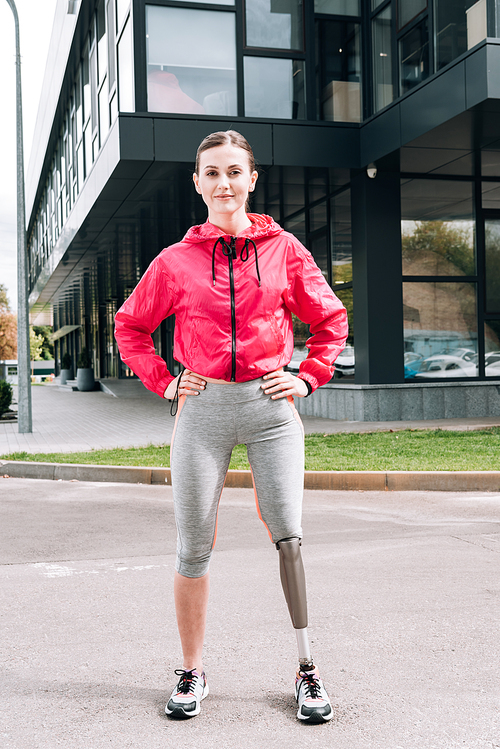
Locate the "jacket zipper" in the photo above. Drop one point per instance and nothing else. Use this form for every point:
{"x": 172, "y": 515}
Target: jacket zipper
{"x": 233, "y": 309}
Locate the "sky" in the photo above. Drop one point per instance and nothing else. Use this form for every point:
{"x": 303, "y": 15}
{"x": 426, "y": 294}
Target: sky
{"x": 35, "y": 24}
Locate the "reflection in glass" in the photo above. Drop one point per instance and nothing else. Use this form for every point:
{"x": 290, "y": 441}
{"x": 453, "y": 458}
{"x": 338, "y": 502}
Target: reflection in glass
{"x": 414, "y": 57}
{"x": 318, "y": 247}
{"x": 341, "y": 243}
{"x": 293, "y": 189}
{"x": 440, "y": 328}
{"x": 339, "y": 7}
{"x": 317, "y": 183}
{"x": 122, "y": 7}
{"x": 452, "y": 22}
{"x": 383, "y": 92}
{"x": 297, "y": 227}
{"x": 103, "y": 113}
{"x": 102, "y": 42}
{"x": 274, "y": 88}
{"x": 318, "y": 217}
{"x": 492, "y": 348}
{"x": 126, "y": 71}
{"x": 408, "y": 9}
{"x": 491, "y": 195}
{"x": 274, "y": 24}
{"x": 187, "y": 72}
{"x": 492, "y": 262}
{"x": 376, "y": 3}
{"x": 438, "y": 228}
{"x": 338, "y": 71}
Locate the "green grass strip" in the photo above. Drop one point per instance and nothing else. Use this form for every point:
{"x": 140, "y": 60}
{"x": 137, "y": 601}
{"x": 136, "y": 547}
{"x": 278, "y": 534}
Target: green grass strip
{"x": 408, "y": 450}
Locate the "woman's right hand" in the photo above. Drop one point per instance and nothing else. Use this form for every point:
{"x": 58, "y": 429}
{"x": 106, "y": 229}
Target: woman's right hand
{"x": 190, "y": 384}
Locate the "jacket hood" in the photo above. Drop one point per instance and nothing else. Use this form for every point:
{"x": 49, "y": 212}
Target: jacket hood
{"x": 262, "y": 226}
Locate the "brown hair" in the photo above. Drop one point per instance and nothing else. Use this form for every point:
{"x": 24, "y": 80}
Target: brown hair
{"x": 222, "y": 138}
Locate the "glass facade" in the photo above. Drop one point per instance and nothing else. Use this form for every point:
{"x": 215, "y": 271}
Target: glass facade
{"x": 274, "y": 88}
{"x": 383, "y": 90}
{"x": 290, "y": 60}
{"x": 194, "y": 78}
{"x": 338, "y": 71}
{"x": 438, "y": 242}
{"x": 414, "y": 57}
{"x": 408, "y": 10}
{"x": 460, "y": 24}
{"x": 274, "y": 25}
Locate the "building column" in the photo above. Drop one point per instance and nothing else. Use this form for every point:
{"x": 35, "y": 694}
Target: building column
{"x": 377, "y": 274}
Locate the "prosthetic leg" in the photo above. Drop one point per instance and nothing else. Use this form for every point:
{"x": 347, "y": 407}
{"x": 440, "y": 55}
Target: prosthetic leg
{"x": 294, "y": 587}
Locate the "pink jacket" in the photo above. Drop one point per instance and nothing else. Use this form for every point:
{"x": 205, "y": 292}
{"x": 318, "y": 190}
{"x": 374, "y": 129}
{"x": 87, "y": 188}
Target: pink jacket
{"x": 233, "y": 298}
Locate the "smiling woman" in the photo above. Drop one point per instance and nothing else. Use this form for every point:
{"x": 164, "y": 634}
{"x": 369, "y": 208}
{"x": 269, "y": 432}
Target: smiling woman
{"x": 233, "y": 284}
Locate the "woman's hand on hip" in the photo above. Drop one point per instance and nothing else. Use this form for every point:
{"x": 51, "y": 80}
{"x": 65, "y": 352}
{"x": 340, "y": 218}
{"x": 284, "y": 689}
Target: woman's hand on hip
{"x": 190, "y": 384}
{"x": 280, "y": 384}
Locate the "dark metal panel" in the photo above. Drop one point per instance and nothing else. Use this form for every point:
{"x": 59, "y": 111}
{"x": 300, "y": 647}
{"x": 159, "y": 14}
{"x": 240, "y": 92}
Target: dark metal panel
{"x": 493, "y": 68}
{"x": 476, "y": 82}
{"x": 380, "y": 136}
{"x": 436, "y": 102}
{"x": 305, "y": 145}
{"x": 136, "y": 138}
{"x": 377, "y": 274}
{"x": 178, "y": 139}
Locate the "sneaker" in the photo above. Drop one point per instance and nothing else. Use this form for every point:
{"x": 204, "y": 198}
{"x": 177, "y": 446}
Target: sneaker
{"x": 190, "y": 690}
{"x": 314, "y": 703}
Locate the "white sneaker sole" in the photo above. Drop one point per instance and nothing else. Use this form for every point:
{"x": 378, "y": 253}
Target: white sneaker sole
{"x": 181, "y": 714}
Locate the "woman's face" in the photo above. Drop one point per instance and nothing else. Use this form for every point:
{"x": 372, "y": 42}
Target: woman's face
{"x": 224, "y": 180}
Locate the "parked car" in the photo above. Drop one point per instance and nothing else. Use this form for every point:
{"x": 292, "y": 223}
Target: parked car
{"x": 492, "y": 364}
{"x": 344, "y": 365}
{"x": 298, "y": 356}
{"x": 449, "y": 365}
{"x": 412, "y": 362}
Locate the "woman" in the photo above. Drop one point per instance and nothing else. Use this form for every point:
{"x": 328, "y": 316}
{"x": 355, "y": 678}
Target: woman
{"x": 233, "y": 284}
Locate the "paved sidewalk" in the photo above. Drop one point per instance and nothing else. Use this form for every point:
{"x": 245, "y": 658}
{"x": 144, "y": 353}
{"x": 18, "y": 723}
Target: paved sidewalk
{"x": 403, "y": 605}
{"x": 128, "y": 415}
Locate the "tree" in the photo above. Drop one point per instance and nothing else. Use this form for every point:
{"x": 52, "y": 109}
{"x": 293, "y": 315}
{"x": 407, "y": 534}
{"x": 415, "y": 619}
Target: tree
{"x": 8, "y": 328}
{"x": 47, "y": 346}
{"x": 437, "y": 246}
{"x": 36, "y": 343}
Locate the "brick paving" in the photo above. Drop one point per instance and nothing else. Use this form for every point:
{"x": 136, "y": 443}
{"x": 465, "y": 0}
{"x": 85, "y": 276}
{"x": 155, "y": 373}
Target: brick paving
{"x": 128, "y": 415}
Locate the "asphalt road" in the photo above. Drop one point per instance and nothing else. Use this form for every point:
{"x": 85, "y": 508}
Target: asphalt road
{"x": 404, "y": 620}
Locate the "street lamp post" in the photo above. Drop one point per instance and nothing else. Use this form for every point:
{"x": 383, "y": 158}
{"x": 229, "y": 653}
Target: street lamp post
{"x": 23, "y": 333}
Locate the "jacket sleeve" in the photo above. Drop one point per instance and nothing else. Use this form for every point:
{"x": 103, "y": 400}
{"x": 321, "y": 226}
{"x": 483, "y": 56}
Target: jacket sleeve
{"x": 310, "y": 298}
{"x": 149, "y": 304}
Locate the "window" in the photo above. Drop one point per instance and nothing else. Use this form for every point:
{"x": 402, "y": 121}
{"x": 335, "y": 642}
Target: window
{"x": 438, "y": 228}
{"x": 126, "y": 70}
{"x": 414, "y": 57}
{"x": 460, "y": 24}
{"x": 492, "y": 263}
{"x": 274, "y": 88}
{"x": 440, "y": 329}
{"x": 440, "y": 316}
{"x": 198, "y": 77}
{"x": 409, "y": 9}
{"x": 274, "y": 24}
{"x": 122, "y": 7}
{"x": 338, "y": 71}
{"x": 383, "y": 92}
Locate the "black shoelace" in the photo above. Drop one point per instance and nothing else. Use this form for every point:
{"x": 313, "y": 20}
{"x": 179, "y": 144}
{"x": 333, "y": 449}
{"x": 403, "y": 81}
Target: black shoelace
{"x": 186, "y": 682}
{"x": 229, "y": 250}
{"x": 175, "y": 400}
{"x": 311, "y": 684}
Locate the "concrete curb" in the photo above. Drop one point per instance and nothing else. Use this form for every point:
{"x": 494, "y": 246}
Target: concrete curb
{"x": 458, "y": 481}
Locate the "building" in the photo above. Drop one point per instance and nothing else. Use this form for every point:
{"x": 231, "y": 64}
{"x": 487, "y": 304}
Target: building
{"x": 376, "y": 124}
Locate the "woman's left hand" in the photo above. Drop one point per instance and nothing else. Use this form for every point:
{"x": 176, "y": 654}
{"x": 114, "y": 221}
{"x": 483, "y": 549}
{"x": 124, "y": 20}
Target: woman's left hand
{"x": 280, "y": 384}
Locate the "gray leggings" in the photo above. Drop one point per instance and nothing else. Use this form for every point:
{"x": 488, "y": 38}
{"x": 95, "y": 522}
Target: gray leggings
{"x": 207, "y": 428}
